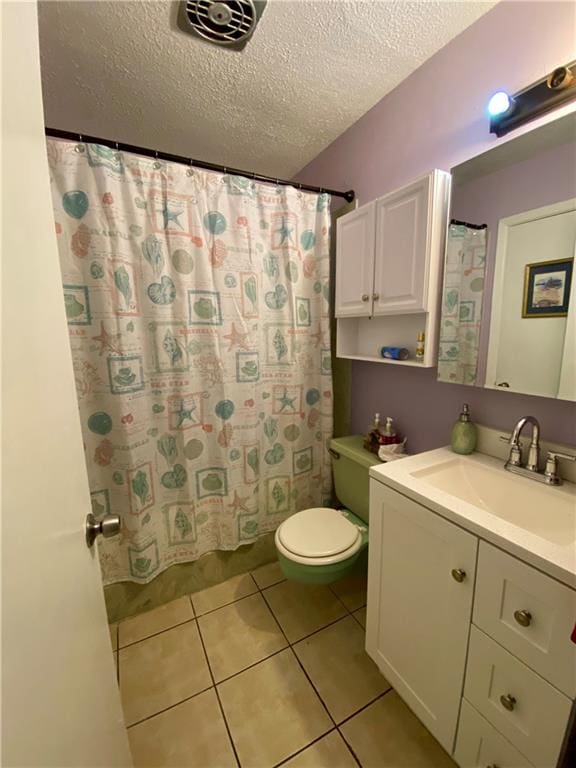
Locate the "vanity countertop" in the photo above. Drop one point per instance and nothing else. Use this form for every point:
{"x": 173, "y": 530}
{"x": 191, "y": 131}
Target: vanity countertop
{"x": 528, "y": 519}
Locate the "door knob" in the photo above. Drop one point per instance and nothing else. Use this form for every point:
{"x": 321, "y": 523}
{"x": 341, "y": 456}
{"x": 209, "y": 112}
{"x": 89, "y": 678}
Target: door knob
{"x": 365, "y": 297}
{"x": 458, "y": 574}
{"x": 524, "y": 618}
{"x": 109, "y": 526}
{"x": 375, "y": 296}
{"x": 508, "y": 702}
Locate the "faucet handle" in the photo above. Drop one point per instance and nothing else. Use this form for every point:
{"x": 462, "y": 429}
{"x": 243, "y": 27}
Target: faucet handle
{"x": 551, "y": 470}
{"x": 515, "y": 457}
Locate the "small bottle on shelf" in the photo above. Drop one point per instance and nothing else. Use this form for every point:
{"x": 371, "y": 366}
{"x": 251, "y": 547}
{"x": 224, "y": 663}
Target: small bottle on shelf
{"x": 420, "y": 347}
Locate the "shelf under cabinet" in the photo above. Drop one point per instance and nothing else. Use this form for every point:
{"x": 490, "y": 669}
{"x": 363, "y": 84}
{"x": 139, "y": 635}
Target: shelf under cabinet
{"x": 361, "y": 338}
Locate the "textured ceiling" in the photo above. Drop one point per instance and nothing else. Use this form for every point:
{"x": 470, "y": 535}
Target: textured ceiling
{"x": 124, "y": 71}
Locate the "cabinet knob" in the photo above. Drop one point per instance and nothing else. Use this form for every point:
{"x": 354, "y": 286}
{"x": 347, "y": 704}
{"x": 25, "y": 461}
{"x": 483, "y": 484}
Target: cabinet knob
{"x": 375, "y": 296}
{"x": 524, "y": 618}
{"x": 365, "y": 297}
{"x": 508, "y": 702}
{"x": 458, "y": 574}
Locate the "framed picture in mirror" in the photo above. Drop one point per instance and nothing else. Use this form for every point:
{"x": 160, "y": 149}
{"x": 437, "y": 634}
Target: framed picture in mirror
{"x": 547, "y": 288}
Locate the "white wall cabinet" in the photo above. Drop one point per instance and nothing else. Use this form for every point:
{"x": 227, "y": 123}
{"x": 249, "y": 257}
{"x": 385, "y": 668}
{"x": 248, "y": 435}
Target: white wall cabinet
{"x": 421, "y": 577}
{"x": 477, "y": 642}
{"x": 389, "y": 256}
{"x": 355, "y": 238}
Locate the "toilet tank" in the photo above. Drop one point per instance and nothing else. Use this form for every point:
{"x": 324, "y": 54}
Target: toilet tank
{"x": 350, "y": 466}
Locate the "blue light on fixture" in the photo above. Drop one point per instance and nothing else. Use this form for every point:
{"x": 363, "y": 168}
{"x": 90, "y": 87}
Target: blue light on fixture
{"x": 499, "y": 104}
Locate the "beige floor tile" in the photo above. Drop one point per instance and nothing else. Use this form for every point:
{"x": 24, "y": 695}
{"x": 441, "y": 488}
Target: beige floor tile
{"x": 190, "y": 735}
{"x": 151, "y": 622}
{"x": 303, "y": 608}
{"x": 352, "y": 591}
{"x": 215, "y": 597}
{"x": 161, "y": 671}
{"x": 330, "y": 752}
{"x": 114, "y": 636}
{"x": 360, "y": 614}
{"x": 239, "y": 635}
{"x": 269, "y": 574}
{"x": 342, "y": 672}
{"x": 272, "y": 711}
{"x": 387, "y": 735}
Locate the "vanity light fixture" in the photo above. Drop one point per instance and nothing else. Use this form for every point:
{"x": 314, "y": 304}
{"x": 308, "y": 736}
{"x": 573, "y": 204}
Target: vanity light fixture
{"x": 499, "y": 104}
{"x": 509, "y": 112}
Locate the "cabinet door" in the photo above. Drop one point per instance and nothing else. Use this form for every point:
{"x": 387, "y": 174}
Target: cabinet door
{"x": 355, "y": 262}
{"x": 418, "y": 612}
{"x": 401, "y": 254}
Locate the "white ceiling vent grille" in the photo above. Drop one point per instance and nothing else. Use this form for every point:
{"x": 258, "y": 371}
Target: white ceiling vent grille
{"x": 230, "y": 23}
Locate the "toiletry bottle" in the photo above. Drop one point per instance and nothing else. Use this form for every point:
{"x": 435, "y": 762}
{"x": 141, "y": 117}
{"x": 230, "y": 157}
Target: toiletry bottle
{"x": 463, "y": 439}
{"x": 420, "y": 347}
{"x": 372, "y": 442}
{"x": 389, "y": 434}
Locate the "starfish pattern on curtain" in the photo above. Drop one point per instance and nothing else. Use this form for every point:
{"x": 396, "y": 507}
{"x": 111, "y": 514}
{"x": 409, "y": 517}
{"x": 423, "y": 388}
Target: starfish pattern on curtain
{"x": 197, "y": 306}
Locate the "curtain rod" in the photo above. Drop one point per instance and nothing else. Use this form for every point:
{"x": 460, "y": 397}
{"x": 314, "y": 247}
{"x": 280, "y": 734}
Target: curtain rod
{"x": 467, "y": 224}
{"x": 121, "y": 147}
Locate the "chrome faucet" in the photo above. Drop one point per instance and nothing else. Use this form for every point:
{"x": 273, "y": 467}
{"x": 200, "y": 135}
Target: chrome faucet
{"x": 514, "y": 464}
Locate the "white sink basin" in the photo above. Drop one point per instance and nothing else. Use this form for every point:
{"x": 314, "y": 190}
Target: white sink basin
{"x": 547, "y": 512}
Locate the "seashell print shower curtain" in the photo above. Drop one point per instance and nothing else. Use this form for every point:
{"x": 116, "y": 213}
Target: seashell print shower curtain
{"x": 197, "y": 306}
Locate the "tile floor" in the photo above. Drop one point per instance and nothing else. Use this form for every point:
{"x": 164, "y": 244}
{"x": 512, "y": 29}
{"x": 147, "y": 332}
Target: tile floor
{"x": 260, "y": 672}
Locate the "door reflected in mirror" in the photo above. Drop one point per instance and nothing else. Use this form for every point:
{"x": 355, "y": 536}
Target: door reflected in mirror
{"x": 509, "y": 304}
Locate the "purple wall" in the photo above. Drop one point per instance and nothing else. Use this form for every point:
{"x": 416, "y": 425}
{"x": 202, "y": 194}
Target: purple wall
{"x": 436, "y": 119}
{"x": 545, "y": 178}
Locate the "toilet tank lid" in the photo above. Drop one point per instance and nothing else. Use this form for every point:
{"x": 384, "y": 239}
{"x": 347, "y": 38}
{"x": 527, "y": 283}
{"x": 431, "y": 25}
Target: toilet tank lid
{"x": 352, "y": 447}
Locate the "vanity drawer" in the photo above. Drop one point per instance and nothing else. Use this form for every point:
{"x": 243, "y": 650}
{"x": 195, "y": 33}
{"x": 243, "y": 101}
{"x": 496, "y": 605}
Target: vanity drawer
{"x": 478, "y": 744}
{"x": 520, "y": 704}
{"x": 528, "y": 613}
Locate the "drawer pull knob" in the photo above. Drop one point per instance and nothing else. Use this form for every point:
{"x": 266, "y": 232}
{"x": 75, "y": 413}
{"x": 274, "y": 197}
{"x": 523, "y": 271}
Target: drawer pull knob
{"x": 508, "y": 702}
{"x": 458, "y": 574}
{"x": 524, "y": 618}
{"x": 365, "y": 297}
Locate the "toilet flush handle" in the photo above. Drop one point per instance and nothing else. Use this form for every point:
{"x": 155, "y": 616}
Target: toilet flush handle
{"x": 333, "y": 453}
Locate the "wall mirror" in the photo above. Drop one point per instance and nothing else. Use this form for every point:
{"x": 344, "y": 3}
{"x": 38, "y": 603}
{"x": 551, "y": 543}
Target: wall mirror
{"x": 509, "y": 296}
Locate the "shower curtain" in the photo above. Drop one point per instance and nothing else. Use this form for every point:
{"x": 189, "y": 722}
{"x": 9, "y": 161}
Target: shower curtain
{"x": 197, "y": 305}
{"x": 462, "y": 304}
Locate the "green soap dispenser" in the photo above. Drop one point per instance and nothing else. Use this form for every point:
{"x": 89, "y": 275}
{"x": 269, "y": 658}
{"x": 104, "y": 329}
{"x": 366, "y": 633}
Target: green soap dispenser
{"x": 463, "y": 439}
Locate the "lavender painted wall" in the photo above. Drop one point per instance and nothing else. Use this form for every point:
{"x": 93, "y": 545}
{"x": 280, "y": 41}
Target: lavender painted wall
{"x": 436, "y": 119}
{"x": 547, "y": 177}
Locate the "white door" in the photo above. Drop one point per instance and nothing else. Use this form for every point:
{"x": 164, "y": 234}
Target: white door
{"x": 526, "y": 353}
{"x": 401, "y": 253}
{"x": 60, "y": 701}
{"x": 355, "y": 263}
{"x": 418, "y": 612}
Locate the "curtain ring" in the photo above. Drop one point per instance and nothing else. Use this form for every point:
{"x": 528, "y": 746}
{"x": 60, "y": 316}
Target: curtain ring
{"x": 79, "y": 148}
{"x": 157, "y": 163}
{"x": 190, "y": 169}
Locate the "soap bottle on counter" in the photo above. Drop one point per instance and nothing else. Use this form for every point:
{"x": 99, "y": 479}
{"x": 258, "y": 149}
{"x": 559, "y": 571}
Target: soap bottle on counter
{"x": 463, "y": 439}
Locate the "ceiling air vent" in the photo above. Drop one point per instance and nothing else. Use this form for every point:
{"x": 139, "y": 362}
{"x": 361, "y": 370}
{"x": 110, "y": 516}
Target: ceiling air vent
{"x": 230, "y": 23}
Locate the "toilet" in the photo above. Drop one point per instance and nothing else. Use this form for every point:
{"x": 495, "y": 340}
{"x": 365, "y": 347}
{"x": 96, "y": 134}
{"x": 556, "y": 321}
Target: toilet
{"x": 323, "y": 544}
